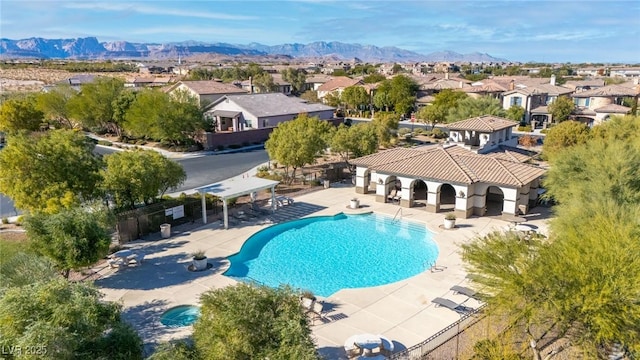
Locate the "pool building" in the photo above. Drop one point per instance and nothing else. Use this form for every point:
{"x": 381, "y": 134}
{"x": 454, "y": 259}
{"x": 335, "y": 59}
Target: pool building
{"x": 479, "y": 171}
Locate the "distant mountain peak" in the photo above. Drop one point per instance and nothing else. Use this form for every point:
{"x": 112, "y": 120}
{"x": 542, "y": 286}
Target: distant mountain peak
{"x": 91, "y": 48}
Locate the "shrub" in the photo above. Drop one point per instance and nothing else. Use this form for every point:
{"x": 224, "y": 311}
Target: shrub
{"x": 403, "y": 131}
{"x": 526, "y": 128}
{"x": 439, "y": 134}
{"x": 419, "y": 131}
{"x": 20, "y": 220}
{"x": 141, "y": 142}
{"x": 5, "y": 220}
{"x": 105, "y": 143}
{"x": 450, "y": 216}
{"x": 544, "y": 131}
{"x": 132, "y": 142}
{"x": 315, "y": 182}
{"x": 199, "y": 255}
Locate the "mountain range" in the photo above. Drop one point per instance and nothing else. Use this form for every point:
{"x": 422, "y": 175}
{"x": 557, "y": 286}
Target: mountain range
{"x": 90, "y": 48}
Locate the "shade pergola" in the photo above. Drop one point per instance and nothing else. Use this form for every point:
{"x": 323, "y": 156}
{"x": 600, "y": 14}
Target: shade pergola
{"x": 233, "y": 188}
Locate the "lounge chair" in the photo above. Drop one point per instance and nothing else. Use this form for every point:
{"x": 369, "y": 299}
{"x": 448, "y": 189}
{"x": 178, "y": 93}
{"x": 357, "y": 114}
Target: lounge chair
{"x": 458, "y": 289}
{"x": 386, "y": 346}
{"x": 136, "y": 259}
{"x": 452, "y": 305}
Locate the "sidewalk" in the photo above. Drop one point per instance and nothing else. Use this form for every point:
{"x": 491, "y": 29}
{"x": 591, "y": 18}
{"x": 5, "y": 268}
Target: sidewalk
{"x": 169, "y": 154}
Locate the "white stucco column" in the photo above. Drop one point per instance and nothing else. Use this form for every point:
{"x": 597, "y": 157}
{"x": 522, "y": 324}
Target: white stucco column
{"x": 225, "y": 213}
{"x": 204, "y": 207}
{"x": 361, "y": 185}
{"x": 381, "y": 188}
{"x": 433, "y": 196}
{"x": 405, "y": 192}
{"x": 510, "y": 205}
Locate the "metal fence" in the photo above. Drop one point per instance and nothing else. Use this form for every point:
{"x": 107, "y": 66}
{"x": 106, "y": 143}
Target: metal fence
{"x": 456, "y": 341}
{"x": 138, "y": 223}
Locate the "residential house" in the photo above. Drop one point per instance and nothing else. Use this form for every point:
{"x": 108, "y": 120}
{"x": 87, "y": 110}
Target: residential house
{"x": 583, "y": 85}
{"x": 485, "y": 88}
{"x": 452, "y": 177}
{"x": 283, "y": 86}
{"x": 625, "y": 72}
{"x": 148, "y": 81}
{"x": 483, "y": 134}
{"x": 205, "y": 91}
{"x": 534, "y": 99}
{"x": 337, "y": 84}
{"x": 258, "y": 111}
{"x": 313, "y": 82}
{"x": 597, "y": 105}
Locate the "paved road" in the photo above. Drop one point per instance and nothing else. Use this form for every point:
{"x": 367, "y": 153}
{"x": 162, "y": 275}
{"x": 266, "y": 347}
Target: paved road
{"x": 201, "y": 170}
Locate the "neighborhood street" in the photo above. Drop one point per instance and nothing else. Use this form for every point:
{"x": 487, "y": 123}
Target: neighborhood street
{"x": 201, "y": 170}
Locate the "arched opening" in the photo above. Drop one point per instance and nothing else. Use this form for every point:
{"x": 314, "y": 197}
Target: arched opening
{"x": 447, "y": 197}
{"x": 367, "y": 182}
{"x": 494, "y": 200}
{"x": 393, "y": 188}
{"x": 419, "y": 193}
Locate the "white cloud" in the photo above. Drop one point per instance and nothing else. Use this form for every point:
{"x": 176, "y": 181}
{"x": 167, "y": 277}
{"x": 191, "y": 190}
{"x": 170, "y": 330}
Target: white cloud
{"x": 152, "y": 10}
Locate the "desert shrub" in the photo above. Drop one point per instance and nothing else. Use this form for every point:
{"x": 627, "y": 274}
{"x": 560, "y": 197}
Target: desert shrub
{"x": 419, "y": 131}
{"x": 403, "y": 131}
{"x": 105, "y": 143}
{"x": 525, "y": 128}
{"x": 5, "y": 220}
{"x": 439, "y": 134}
{"x": 315, "y": 182}
{"x": 141, "y": 142}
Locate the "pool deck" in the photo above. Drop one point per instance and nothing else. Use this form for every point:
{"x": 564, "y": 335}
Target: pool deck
{"x": 401, "y": 311}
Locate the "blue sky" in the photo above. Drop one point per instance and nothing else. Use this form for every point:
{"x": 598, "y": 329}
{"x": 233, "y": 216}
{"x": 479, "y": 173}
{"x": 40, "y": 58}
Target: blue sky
{"x": 547, "y": 31}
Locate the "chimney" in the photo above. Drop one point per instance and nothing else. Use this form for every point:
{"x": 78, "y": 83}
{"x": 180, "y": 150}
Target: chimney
{"x": 512, "y": 85}
{"x": 446, "y": 75}
{"x": 552, "y": 81}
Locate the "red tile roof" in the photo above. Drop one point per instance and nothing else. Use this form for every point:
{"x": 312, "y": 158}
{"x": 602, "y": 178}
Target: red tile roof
{"x": 207, "y": 87}
{"x": 338, "y": 83}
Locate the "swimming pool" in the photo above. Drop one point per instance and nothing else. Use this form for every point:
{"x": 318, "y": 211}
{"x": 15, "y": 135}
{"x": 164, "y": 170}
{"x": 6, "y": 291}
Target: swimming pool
{"x": 325, "y": 254}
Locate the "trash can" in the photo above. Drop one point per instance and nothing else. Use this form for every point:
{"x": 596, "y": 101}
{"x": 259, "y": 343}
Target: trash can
{"x": 165, "y": 231}
{"x": 327, "y": 184}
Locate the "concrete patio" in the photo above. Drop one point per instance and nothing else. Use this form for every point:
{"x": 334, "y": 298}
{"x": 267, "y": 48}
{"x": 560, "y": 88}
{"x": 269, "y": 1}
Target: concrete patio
{"x": 402, "y": 311}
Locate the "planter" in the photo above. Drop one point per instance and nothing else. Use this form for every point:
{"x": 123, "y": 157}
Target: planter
{"x": 165, "y": 231}
{"x": 200, "y": 264}
{"x": 449, "y": 224}
{"x": 354, "y": 203}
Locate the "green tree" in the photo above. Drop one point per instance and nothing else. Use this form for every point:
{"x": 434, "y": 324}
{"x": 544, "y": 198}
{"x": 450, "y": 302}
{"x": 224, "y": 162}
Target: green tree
{"x": 573, "y": 285}
{"x": 310, "y": 96}
{"x": 373, "y": 78}
{"x": 333, "y": 99}
{"x": 248, "y": 322}
{"x": 561, "y": 108}
{"x": 157, "y": 115}
{"x": 296, "y": 77}
{"x": 354, "y": 141}
{"x": 563, "y": 135}
{"x": 121, "y": 106}
{"x": 69, "y": 320}
{"x": 472, "y": 107}
{"x": 53, "y": 104}
{"x": 72, "y": 238}
{"x": 178, "y": 350}
{"x": 436, "y": 113}
{"x": 49, "y": 171}
{"x": 20, "y": 114}
{"x": 515, "y": 113}
{"x": 398, "y": 93}
{"x": 355, "y": 97}
{"x": 385, "y": 124}
{"x": 296, "y": 143}
{"x": 93, "y": 106}
{"x": 264, "y": 83}
{"x": 139, "y": 176}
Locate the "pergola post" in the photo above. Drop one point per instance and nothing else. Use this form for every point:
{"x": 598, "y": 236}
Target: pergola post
{"x": 273, "y": 198}
{"x": 204, "y": 207}
{"x": 225, "y": 213}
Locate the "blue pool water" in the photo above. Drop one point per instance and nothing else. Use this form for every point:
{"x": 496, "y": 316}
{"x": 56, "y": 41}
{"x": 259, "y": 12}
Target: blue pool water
{"x": 329, "y": 253}
{"x": 179, "y": 316}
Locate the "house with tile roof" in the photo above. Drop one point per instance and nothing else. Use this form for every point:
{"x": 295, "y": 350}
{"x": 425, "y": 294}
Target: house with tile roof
{"x": 534, "y": 99}
{"x": 337, "y": 85}
{"x": 259, "y": 111}
{"x": 205, "y": 91}
{"x": 443, "y": 178}
{"x": 597, "y": 105}
{"x": 483, "y": 134}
